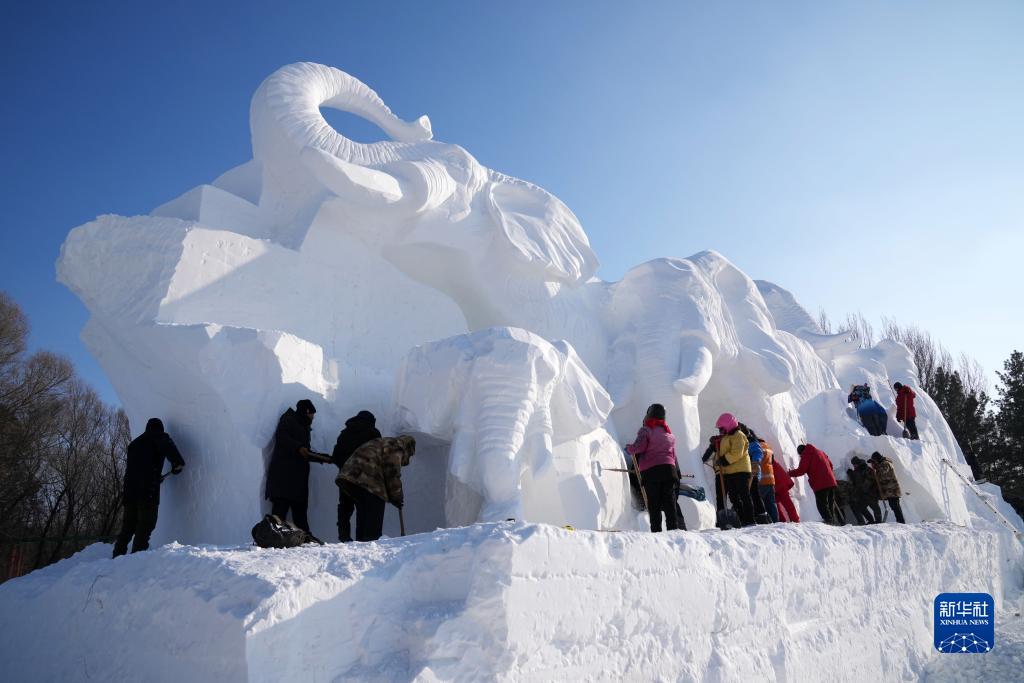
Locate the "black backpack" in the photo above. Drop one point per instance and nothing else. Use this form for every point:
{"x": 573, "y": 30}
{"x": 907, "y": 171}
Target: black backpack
{"x": 271, "y": 532}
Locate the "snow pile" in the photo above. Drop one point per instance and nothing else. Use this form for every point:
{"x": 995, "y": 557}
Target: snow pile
{"x": 509, "y": 601}
{"x": 329, "y": 269}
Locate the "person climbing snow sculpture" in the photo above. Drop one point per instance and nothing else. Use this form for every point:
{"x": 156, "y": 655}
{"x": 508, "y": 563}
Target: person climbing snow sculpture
{"x": 888, "y": 484}
{"x": 655, "y": 452}
{"x": 905, "y": 411}
{"x": 288, "y": 473}
{"x": 818, "y": 468}
{"x": 359, "y": 429}
{"x": 142, "y": 477}
{"x": 734, "y": 461}
{"x": 872, "y": 415}
{"x": 372, "y": 478}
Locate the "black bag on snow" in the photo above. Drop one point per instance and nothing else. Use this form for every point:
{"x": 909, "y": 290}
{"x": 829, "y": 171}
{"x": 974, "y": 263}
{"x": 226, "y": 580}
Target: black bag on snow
{"x": 271, "y": 532}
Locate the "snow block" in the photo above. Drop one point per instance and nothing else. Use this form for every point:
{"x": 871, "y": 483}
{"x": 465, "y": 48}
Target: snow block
{"x": 509, "y": 602}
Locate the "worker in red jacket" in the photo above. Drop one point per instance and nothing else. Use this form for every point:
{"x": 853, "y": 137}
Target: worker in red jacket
{"x": 905, "y": 411}
{"x": 818, "y": 468}
{"x": 783, "y": 484}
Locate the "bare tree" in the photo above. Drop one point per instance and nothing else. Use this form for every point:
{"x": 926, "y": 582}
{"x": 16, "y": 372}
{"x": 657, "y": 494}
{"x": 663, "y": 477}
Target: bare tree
{"x": 928, "y": 354}
{"x": 858, "y": 324}
{"x": 823, "y": 322}
{"x": 62, "y": 451}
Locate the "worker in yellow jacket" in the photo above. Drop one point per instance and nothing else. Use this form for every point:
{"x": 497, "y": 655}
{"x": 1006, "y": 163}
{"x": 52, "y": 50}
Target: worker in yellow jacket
{"x": 734, "y": 459}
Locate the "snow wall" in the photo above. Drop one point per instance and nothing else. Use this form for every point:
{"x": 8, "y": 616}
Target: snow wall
{"x": 511, "y": 602}
{"x": 458, "y": 304}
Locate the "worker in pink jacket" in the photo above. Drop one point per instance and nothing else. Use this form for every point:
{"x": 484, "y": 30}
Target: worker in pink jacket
{"x": 655, "y": 452}
{"x": 818, "y": 468}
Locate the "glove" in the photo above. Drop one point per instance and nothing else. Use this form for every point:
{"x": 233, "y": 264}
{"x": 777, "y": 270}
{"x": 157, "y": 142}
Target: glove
{"x": 721, "y": 461}
{"x": 177, "y": 469}
{"x": 399, "y": 504}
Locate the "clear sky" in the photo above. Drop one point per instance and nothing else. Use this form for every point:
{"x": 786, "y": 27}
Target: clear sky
{"x": 867, "y": 156}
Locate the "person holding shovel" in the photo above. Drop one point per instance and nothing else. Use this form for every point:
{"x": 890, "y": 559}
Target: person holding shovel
{"x": 734, "y": 461}
{"x": 654, "y": 453}
{"x": 142, "y": 477}
{"x": 372, "y": 478}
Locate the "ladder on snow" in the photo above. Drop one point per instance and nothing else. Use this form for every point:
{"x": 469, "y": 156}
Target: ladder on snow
{"x": 1016, "y": 532}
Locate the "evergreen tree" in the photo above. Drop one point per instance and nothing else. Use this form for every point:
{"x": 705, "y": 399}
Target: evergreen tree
{"x": 966, "y": 411}
{"x": 1010, "y": 424}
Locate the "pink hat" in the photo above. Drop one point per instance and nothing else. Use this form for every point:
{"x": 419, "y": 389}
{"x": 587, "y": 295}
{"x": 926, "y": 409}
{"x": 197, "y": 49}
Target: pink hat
{"x": 727, "y": 422}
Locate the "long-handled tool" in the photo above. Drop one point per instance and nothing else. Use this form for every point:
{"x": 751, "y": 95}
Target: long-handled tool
{"x": 601, "y": 469}
{"x": 401, "y": 520}
{"x": 640, "y": 482}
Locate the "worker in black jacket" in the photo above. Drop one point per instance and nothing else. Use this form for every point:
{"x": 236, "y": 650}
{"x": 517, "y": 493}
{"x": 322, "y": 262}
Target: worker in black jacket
{"x": 142, "y": 477}
{"x": 288, "y": 473}
{"x": 359, "y": 429}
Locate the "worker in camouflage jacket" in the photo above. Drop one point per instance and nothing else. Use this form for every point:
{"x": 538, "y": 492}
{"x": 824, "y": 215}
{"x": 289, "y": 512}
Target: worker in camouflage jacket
{"x": 888, "y": 484}
{"x": 372, "y": 477}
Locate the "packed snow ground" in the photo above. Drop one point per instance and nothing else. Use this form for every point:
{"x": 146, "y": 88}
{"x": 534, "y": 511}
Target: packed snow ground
{"x": 513, "y": 602}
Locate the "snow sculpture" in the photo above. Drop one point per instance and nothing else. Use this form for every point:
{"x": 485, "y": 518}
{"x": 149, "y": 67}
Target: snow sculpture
{"x": 311, "y": 270}
{"x": 516, "y": 410}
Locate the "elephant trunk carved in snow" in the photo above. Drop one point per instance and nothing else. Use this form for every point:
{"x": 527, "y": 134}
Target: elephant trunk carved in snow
{"x": 504, "y": 398}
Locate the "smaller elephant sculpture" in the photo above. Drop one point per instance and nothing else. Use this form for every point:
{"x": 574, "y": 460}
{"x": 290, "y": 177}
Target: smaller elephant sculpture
{"x": 525, "y": 420}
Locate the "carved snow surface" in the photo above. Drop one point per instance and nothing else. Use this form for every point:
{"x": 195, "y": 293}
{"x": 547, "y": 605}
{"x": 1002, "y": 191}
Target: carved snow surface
{"x": 525, "y": 422}
{"x": 328, "y": 269}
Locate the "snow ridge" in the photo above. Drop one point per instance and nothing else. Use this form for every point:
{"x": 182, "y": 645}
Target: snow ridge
{"x": 510, "y": 601}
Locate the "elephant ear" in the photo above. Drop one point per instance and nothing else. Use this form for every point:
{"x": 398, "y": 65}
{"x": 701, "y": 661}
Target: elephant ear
{"x": 541, "y": 230}
{"x": 579, "y": 404}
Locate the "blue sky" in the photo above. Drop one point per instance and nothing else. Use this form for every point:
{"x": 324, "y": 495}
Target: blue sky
{"x": 868, "y": 156}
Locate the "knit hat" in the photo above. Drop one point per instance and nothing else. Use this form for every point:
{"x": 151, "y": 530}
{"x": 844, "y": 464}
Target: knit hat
{"x": 656, "y": 411}
{"x": 800, "y": 449}
{"x": 363, "y": 416}
{"x": 876, "y": 457}
{"x": 897, "y": 386}
{"x": 154, "y": 426}
{"x": 305, "y": 406}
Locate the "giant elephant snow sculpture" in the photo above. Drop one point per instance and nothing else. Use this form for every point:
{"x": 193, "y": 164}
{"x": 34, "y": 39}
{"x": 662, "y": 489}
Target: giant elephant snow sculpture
{"x": 312, "y": 269}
